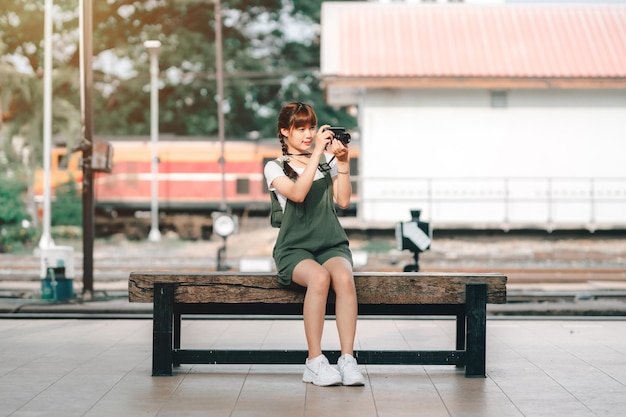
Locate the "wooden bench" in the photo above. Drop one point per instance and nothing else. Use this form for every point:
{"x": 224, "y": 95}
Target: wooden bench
{"x": 389, "y": 294}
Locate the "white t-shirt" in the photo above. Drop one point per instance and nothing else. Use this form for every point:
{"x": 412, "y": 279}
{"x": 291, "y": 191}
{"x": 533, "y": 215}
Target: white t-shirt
{"x": 273, "y": 170}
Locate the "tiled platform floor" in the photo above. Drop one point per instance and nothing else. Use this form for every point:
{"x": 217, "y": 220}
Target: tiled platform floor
{"x": 64, "y": 367}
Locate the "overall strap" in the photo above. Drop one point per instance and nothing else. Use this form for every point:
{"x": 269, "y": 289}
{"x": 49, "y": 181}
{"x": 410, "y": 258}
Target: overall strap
{"x": 276, "y": 215}
{"x": 325, "y": 168}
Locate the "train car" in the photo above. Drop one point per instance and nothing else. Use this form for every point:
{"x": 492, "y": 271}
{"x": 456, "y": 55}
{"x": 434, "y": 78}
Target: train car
{"x": 191, "y": 184}
{"x": 190, "y": 190}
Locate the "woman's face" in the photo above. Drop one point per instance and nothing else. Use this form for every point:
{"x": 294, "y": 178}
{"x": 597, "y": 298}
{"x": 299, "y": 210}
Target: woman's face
{"x": 300, "y": 139}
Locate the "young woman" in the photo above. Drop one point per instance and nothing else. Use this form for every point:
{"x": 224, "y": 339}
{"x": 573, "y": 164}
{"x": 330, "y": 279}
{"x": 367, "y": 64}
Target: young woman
{"x": 312, "y": 248}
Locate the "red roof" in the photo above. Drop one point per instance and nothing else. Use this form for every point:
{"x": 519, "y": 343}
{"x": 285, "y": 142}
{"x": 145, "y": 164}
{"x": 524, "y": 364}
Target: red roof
{"x": 364, "y": 39}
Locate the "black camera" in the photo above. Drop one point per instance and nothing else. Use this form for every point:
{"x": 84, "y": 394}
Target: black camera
{"x": 341, "y": 134}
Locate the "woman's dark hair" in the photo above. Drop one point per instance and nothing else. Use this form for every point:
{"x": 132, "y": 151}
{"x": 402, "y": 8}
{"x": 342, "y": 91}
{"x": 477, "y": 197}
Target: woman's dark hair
{"x": 294, "y": 115}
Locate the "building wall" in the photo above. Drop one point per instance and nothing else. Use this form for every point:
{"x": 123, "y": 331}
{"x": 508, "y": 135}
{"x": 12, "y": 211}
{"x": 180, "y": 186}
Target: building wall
{"x": 548, "y": 158}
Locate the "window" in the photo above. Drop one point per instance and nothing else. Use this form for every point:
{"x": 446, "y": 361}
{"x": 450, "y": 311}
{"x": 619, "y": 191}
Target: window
{"x": 62, "y": 160}
{"x": 243, "y": 186}
{"x": 498, "y": 99}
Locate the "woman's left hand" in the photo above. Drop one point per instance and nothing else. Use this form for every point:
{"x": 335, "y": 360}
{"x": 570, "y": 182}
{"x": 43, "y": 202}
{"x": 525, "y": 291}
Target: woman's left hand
{"x": 337, "y": 148}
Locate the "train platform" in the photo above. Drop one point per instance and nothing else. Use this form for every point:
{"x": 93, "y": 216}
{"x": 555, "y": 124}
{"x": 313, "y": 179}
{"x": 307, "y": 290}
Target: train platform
{"x": 572, "y": 367}
{"x": 557, "y": 348}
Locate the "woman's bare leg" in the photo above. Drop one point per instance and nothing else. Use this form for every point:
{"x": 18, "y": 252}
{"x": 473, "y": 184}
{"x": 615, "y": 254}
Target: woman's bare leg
{"x": 346, "y": 306}
{"x": 316, "y": 280}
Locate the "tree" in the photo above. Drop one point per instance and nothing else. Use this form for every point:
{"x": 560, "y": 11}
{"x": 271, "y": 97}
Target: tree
{"x": 263, "y": 68}
{"x": 21, "y": 70}
{"x": 67, "y": 207}
{"x": 264, "y": 65}
{"x": 12, "y": 208}
{"x": 12, "y": 213}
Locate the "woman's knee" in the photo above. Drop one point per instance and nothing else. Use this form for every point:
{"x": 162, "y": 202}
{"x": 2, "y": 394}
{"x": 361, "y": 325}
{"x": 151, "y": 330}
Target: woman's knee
{"x": 343, "y": 283}
{"x": 319, "y": 281}
{"x": 341, "y": 274}
{"x": 313, "y": 277}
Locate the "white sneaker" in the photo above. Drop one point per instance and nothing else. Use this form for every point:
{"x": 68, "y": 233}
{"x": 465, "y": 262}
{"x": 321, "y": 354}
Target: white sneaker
{"x": 350, "y": 374}
{"x": 319, "y": 372}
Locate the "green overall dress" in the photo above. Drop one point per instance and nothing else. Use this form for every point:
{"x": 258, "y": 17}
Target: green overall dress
{"x": 310, "y": 230}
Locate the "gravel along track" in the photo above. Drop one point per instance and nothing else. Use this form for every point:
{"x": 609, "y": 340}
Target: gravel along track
{"x": 522, "y": 259}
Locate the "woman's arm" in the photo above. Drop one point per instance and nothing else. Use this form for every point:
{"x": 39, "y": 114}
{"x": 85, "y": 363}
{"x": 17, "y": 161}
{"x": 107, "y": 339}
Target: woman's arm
{"x": 298, "y": 190}
{"x": 342, "y": 186}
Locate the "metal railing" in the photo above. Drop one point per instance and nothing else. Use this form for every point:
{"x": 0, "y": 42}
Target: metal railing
{"x": 597, "y": 199}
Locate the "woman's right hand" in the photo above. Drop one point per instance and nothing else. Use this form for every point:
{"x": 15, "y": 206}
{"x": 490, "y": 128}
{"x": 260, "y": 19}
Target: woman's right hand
{"x": 322, "y": 138}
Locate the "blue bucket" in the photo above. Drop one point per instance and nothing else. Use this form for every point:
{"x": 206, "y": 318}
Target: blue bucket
{"x": 61, "y": 288}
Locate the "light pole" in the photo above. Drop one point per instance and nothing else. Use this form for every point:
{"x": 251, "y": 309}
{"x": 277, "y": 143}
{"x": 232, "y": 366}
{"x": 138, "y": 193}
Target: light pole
{"x": 224, "y": 224}
{"x": 154, "y": 47}
{"x": 46, "y": 240}
{"x": 219, "y": 74}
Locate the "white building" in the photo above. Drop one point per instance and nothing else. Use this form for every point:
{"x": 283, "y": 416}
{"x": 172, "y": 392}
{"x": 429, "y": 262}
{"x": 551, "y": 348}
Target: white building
{"x": 484, "y": 115}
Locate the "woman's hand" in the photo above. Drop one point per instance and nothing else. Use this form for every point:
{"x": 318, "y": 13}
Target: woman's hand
{"x": 340, "y": 150}
{"x": 323, "y": 138}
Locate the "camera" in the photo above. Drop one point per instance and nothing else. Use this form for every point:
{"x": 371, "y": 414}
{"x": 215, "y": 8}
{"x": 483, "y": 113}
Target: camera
{"x": 341, "y": 134}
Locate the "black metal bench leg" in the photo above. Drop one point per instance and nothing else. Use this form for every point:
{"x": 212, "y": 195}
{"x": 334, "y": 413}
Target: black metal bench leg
{"x": 476, "y": 305}
{"x": 177, "y": 332}
{"x": 163, "y": 314}
{"x": 460, "y": 334}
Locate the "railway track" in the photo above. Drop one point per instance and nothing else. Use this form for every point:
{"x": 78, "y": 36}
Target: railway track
{"x": 19, "y": 277}
{"x": 27, "y": 268}
{"x": 537, "y": 268}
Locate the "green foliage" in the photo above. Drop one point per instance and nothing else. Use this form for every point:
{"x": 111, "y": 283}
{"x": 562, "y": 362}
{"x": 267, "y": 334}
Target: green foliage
{"x": 22, "y": 26}
{"x": 67, "y": 209}
{"x": 12, "y": 207}
{"x": 16, "y": 237}
{"x": 12, "y": 213}
{"x": 21, "y": 85}
{"x": 264, "y": 67}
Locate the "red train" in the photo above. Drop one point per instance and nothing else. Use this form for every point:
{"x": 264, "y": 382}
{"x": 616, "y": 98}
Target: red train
{"x": 190, "y": 183}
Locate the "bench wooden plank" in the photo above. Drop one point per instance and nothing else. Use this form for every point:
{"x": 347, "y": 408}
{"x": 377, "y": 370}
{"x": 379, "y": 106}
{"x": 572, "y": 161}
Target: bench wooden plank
{"x": 402, "y": 288}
